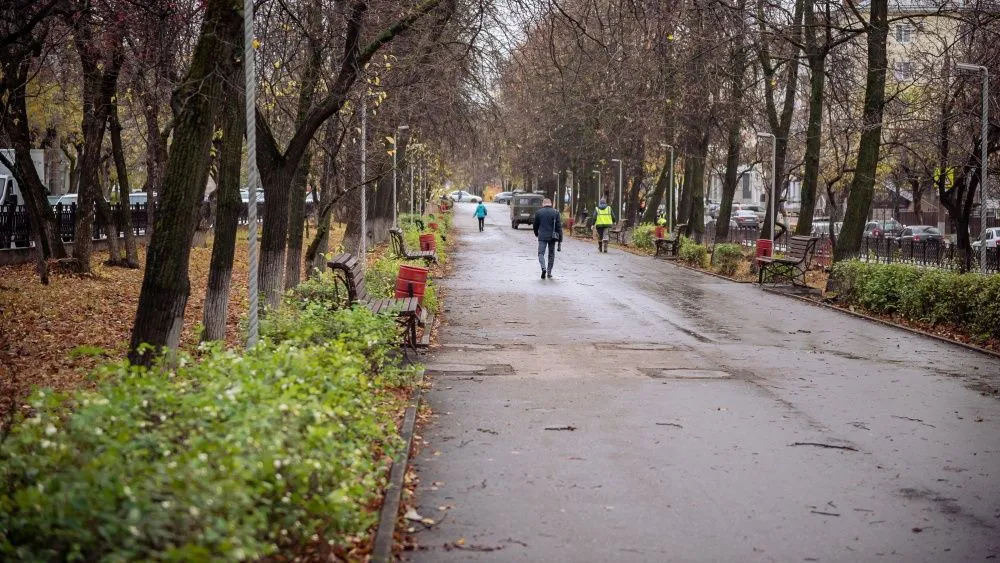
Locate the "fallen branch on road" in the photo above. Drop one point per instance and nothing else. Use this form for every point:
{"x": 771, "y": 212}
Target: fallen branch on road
{"x": 820, "y": 445}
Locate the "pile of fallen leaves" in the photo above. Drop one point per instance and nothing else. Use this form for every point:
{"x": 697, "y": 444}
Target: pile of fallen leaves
{"x": 53, "y": 335}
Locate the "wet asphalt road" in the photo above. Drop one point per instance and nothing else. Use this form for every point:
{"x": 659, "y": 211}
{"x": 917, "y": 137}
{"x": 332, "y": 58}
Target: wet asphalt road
{"x": 687, "y": 396}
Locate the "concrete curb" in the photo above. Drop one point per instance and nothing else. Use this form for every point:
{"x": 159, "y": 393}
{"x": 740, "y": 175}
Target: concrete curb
{"x": 389, "y": 513}
{"x": 884, "y": 322}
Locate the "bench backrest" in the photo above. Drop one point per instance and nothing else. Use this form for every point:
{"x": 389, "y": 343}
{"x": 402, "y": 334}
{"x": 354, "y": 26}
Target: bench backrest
{"x": 354, "y": 276}
{"x": 799, "y": 248}
{"x": 679, "y": 229}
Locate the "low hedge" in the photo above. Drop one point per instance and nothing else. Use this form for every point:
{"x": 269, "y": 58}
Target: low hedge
{"x": 693, "y": 253}
{"x": 642, "y": 236}
{"x": 233, "y": 456}
{"x": 970, "y": 300}
{"x": 727, "y": 258}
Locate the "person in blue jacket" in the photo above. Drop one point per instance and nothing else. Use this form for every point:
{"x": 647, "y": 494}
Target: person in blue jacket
{"x": 480, "y": 214}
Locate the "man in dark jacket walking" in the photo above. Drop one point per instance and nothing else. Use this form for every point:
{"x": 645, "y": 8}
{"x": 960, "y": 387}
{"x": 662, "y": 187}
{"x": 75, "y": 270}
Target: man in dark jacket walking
{"x": 548, "y": 229}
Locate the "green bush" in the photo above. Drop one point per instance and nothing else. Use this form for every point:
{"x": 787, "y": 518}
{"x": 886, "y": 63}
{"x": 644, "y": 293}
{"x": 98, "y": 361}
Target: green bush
{"x": 693, "y": 253}
{"x": 727, "y": 258}
{"x": 971, "y": 300}
{"x": 642, "y": 236}
{"x": 232, "y": 457}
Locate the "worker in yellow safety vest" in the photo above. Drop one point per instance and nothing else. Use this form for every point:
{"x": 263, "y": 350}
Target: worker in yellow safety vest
{"x": 603, "y": 219}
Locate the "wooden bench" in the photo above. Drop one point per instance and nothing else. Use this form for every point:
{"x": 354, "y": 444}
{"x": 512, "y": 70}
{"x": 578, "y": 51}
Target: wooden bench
{"x": 400, "y": 250}
{"x": 582, "y": 230}
{"x": 793, "y": 265}
{"x": 669, "y": 246}
{"x": 619, "y": 230}
{"x": 407, "y": 311}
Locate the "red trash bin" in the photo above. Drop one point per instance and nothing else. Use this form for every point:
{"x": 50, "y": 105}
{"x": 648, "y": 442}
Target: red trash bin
{"x": 411, "y": 282}
{"x": 427, "y": 242}
{"x": 764, "y": 249}
{"x": 660, "y": 231}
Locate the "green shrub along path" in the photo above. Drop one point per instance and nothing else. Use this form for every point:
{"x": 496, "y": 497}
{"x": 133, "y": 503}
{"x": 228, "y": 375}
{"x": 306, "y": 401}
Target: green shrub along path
{"x": 970, "y": 301}
{"x": 230, "y": 455}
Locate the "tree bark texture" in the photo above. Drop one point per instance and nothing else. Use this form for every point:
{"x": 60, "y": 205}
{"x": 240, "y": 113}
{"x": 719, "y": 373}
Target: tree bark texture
{"x": 816, "y": 55}
{"x": 731, "y": 180}
{"x": 697, "y": 221}
{"x": 124, "y": 188}
{"x": 859, "y": 200}
{"x": 165, "y": 286}
{"x": 684, "y": 203}
{"x": 228, "y": 206}
{"x": 99, "y": 86}
{"x": 658, "y": 192}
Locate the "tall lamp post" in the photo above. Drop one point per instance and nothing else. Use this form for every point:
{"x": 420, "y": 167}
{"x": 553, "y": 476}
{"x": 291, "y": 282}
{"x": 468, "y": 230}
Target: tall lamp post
{"x": 774, "y": 176}
{"x": 250, "y": 75}
{"x": 395, "y": 152}
{"x": 555, "y": 196}
{"x": 982, "y": 155}
{"x": 670, "y": 189}
{"x": 619, "y": 161}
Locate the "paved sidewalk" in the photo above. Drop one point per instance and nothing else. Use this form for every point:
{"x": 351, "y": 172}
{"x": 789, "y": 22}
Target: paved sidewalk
{"x": 630, "y": 410}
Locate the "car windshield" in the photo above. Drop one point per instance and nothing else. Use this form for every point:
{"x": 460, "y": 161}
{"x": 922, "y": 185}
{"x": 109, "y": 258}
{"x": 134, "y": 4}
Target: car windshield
{"x": 927, "y": 230}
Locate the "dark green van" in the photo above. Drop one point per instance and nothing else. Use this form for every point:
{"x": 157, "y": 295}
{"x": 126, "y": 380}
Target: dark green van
{"x": 523, "y": 207}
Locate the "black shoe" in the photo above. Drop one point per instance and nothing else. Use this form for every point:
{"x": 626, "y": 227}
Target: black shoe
{"x": 543, "y": 274}
{"x": 550, "y": 274}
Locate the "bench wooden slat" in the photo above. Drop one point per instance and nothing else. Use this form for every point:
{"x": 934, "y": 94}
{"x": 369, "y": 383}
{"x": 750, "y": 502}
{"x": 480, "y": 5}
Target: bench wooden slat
{"x": 795, "y": 263}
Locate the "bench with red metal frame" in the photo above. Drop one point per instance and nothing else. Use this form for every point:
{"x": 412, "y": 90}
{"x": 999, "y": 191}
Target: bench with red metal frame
{"x": 408, "y": 312}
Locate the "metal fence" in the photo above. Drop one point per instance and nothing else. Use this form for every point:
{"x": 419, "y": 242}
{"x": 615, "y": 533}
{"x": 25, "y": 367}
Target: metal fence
{"x": 15, "y": 228}
{"x": 884, "y": 250}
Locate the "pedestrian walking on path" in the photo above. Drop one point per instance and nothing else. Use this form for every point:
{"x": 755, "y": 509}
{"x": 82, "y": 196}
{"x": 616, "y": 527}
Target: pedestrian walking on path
{"x": 480, "y": 214}
{"x": 604, "y": 217}
{"x": 548, "y": 229}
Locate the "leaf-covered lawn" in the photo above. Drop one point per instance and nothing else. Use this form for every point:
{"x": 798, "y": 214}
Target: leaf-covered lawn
{"x": 54, "y": 335}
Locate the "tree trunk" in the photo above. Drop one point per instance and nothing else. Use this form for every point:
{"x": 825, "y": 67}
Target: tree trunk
{"x": 14, "y": 118}
{"x": 228, "y": 207}
{"x": 863, "y": 184}
{"x": 814, "y": 129}
{"x": 156, "y": 160}
{"x": 658, "y": 192}
{"x": 684, "y": 207}
{"x": 124, "y": 189}
{"x": 731, "y": 180}
{"x": 107, "y": 216}
{"x": 165, "y": 286}
{"x": 697, "y": 191}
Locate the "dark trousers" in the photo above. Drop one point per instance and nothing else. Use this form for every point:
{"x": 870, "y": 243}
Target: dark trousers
{"x": 551, "y": 246}
{"x": 481, "y": 219}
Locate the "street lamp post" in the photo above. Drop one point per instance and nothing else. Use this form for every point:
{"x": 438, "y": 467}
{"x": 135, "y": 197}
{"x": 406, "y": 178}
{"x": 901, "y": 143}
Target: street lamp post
{"x": 774, "y": 177}
{"x": 620, "y": 163}
{"x": 983, "y": 155}
{"x": 395, "y": 152}
{"x": 670, "y": 189}
{"x": 555, "y": 197}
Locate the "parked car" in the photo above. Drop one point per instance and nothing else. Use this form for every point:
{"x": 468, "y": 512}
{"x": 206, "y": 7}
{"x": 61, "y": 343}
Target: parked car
{"x": 822, "y": 228}
{"x": 503, "y": 197}
{"x": 523, "y": 208}
{"x": 920, "y": 233}
{"x": 245, "y": 196}
{"x": 462, "y": 195}
{"x": 888, "y": 228}
{"x": 744, "y": 219}
{"x": 713, "y": 210}
{"x": 757, "y": 210}
{"x": 991, "y": 237}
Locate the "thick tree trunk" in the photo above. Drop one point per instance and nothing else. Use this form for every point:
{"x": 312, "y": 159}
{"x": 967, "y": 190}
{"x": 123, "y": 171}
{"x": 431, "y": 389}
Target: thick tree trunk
{"x": 814, "y": 132}
{"x": 228, "y": 206}
{"x": 156, "y": 160}
{"x": 124, "y": 189}
{"x": 697, "y": 221}
{"x": 732, "y": 179}
{"x": 14, "y": 119}
{"x": 165, "y": 286}
{"x": 863, "y": 184}
{"x": 296, "y": 224}
{"x": 658, "y": 192}
{"x": 100, "y": 82}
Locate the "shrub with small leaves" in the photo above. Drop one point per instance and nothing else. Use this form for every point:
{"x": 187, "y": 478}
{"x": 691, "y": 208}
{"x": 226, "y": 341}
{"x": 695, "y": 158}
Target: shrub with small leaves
{"x": 727, "y": 258}
{"x": 693, "y": 253}
{"x": 642, "y": 236}
{"x": 970, "y": 301}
